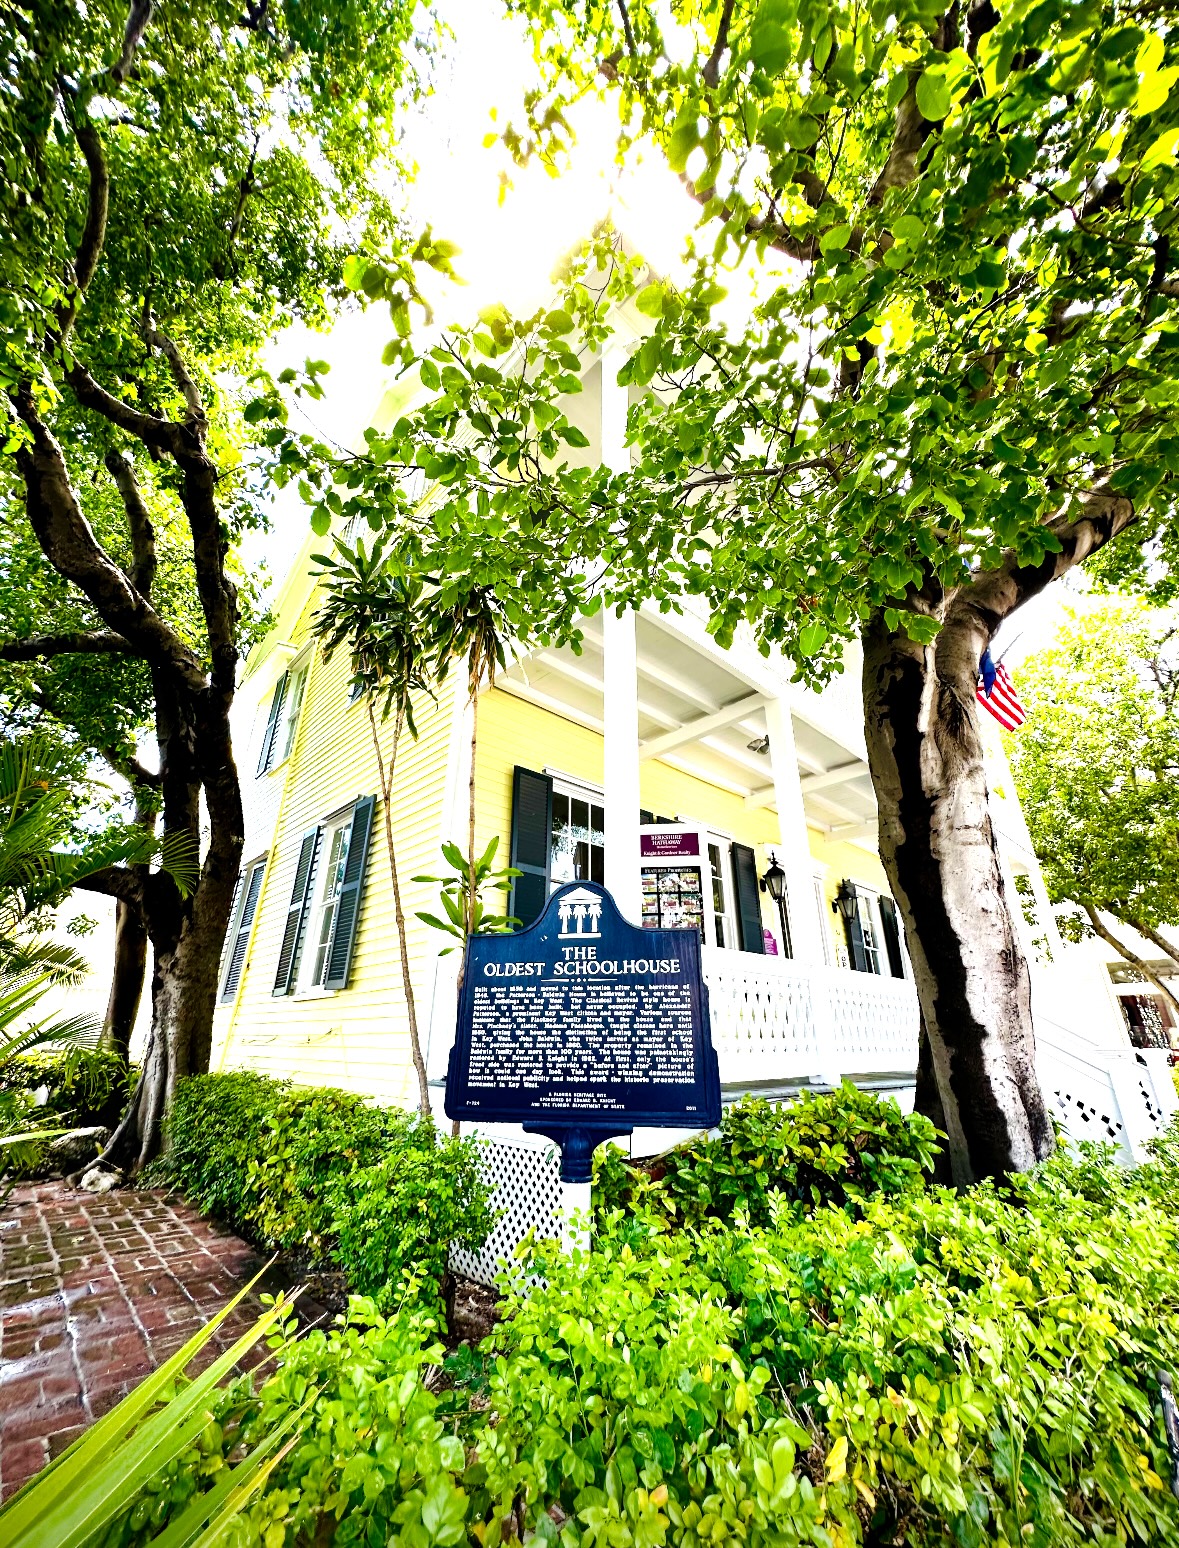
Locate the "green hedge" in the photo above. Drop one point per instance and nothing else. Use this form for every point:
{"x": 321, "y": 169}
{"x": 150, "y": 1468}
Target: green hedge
{"x": 922, "y": 1368}
{"x": 85, "y": 1086}
{"x": 373, "y": 1190}
{"x": 837, "y": 1147}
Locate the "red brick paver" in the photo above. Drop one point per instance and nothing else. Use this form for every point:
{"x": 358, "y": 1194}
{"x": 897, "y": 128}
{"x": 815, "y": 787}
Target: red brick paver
{"x": 95, "y": 1292}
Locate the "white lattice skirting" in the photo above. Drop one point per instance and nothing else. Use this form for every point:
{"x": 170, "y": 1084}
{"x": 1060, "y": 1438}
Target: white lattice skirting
{"x": 525, "y": 1185}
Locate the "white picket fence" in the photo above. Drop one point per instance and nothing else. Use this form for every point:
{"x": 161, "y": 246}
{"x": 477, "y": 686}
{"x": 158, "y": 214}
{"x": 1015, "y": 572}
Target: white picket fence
{"x": 778, "y": 1025}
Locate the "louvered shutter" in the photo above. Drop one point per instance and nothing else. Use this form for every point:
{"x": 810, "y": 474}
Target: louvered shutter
{"x": 532, "y": 840}
{"x": 855, "y": 935}
{"x": 748, "y": 903}
{"x": 891, "y": 929}
{"x": 292, "y": 935}
{"x": 273, "y": 721}
{"x": 339, "y": 957}
{"x": 230, "y": 934}
{"x": 241, "y": 936}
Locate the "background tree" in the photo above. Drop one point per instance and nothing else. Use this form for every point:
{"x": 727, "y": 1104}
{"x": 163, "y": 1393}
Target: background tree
{"x": 1096, "y": 765}
{"x": 179, "y": 184}
{"x": 101, "y": 708}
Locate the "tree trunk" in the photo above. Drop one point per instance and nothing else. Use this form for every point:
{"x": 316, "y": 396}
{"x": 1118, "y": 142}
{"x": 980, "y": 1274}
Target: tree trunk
{"x": 386, "y": 777}
{"x": 127, "y": 976}
{"x": 939, "y": 851}
{"x": 187, "y": 933}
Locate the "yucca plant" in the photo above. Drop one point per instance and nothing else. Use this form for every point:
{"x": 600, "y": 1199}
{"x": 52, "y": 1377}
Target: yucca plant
{"x": 108, "y": 1467}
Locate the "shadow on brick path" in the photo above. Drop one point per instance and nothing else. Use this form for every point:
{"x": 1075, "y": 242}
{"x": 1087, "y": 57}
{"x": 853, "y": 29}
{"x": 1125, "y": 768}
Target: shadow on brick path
{"x": 95, "y": 1292}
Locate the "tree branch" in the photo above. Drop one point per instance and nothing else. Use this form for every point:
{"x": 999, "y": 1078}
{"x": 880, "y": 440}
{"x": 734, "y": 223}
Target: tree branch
{"x": 711, "y": 72}
{"x": 115, "y": 881}
{"x": 1153, "y": 936}
{"x": 125, "y": 765}
{"x": 137, "y": 20}
{"x": 157, "y": 434}
{"x": 196, "y": 419}
{"x": 1107, "y": 935}
{"x": 143, "y": 538}
{"x": 94, "y": 231}
{"x": 994, "y": 594}
{"x": 70, "y": 546}
{"x": 40, "y": 647}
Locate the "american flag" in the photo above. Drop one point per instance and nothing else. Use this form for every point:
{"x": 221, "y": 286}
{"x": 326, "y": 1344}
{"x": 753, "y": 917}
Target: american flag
{"x": 996, "y": 693}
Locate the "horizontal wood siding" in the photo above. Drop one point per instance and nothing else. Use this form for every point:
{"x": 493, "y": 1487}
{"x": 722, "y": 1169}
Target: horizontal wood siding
{"x": 356, "y": 1037}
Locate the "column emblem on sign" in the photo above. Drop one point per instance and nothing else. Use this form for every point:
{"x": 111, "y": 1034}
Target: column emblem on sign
{"x": 579, "y": 913}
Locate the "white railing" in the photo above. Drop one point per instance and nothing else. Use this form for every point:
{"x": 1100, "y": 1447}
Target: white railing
{"x": 776, "y": 1020}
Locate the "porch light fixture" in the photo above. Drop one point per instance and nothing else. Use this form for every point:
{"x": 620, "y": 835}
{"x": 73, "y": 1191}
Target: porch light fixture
{"x": 760, "y": 744}
{"x": 845, "y": 900}
{"x": 774, "y": 881}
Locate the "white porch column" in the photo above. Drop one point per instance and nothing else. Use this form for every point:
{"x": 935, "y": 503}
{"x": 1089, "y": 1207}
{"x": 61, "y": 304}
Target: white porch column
{"x": 794, "y": 850}
{"x": 621, "y": 755}
{"x": 620, "y": 688}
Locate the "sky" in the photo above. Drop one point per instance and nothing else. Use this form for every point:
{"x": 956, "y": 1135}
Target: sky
{"x": 509, "y": 247}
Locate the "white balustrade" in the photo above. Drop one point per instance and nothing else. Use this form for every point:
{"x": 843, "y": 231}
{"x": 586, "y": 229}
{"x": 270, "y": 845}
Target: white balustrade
{"x": 775, "y": 1020}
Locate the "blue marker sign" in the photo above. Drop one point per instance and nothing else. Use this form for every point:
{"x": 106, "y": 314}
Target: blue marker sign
{"x": 582, "y": 1026}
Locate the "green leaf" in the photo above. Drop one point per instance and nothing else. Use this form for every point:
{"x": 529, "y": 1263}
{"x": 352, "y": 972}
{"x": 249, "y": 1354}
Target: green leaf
{"x": 934, "y": 96}
{"x": 770, "y": 46}
{"x": 650, "y": 301}
{"x": 558, "y": 321}
{"x": 811, "y": 638}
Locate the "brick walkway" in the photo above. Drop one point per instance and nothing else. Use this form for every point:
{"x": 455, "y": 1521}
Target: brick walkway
{"x": 95, "y": 1292}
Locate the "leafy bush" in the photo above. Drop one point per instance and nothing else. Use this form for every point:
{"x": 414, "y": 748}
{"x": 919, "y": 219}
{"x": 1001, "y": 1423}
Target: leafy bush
{"x": 924, "y": 1368}
{"x": 837, "y": 1147}
{"x": 321, "y": 1171}
{"x": 85, "y": 1085}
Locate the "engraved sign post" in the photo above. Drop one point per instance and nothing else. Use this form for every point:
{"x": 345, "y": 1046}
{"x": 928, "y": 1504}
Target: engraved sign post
{"x": 582, "y": 1026}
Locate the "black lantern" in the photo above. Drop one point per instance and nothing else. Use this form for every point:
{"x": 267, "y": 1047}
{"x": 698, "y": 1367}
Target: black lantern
{"x": 774, "y": 883}
{"x": 845, "y": 900}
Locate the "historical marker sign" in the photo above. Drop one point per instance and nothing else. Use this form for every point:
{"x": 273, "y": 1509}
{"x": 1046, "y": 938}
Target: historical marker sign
{"x": 582, "y": 1026}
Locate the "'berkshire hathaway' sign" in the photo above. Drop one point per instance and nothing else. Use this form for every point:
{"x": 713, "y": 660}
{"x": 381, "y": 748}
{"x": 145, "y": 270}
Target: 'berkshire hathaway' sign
{"x": 584, "y": 1022}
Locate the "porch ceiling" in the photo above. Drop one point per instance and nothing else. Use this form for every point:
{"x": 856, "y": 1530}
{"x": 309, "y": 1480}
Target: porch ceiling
{"x": 700, "y": 716}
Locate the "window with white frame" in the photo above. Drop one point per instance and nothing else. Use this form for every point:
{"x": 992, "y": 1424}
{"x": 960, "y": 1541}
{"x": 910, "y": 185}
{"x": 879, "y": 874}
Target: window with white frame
{"x": 720, "y": 864}
{"x": 282, "y": 719}
{"x": 328, "y": 884}
{"x": 578, "y": 843}
{"x": 241, "y": 919}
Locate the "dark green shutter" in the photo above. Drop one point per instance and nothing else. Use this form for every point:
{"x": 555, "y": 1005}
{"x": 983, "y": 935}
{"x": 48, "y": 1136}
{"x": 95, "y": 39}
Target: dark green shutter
{"x": 748, "y": 902}
{"x": 891, "y": 929}
{"x": 855, "y": 935}
{"x": 339, "y": 956}
{"x": 273, "y": 721}
{"x": 531, "y": 847}
{"x": 241, "y": 935}
{"x": 292, "y": 935}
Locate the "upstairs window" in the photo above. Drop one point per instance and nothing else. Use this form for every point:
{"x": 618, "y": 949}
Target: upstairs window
{"x": 282, "y": 721}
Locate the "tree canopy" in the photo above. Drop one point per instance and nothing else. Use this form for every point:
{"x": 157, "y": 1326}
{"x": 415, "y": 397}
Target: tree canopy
{"x": 1097, "y": 762}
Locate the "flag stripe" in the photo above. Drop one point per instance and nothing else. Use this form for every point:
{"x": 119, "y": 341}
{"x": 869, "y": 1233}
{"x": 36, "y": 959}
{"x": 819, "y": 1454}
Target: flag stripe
{"x": 1003, "y": 701}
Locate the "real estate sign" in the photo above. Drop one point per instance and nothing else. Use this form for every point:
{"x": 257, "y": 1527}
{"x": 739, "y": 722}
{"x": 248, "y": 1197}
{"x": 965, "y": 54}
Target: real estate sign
{"x": 582, "y": 1026}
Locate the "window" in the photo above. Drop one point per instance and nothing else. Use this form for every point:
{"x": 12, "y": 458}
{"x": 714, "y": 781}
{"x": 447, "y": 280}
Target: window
{"x": 577, "y": 847}
{"x": 241, "y": 918}
{"x": 874, "y": 940}
{"x": 720, "y": 864}
{"x": 869, "y": 932}
{"x": 334, "y": 846}
{"x": 282, "y": 720}
{"x": 322, "y": 916}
